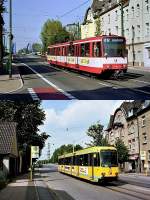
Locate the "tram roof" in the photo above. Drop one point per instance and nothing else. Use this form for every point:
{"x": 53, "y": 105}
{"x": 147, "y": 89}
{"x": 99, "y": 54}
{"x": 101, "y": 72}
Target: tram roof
{"x": 88, "y": 150}
{"x": 84, "y": 40}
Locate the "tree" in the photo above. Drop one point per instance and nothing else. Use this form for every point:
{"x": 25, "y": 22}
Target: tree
{"x": 36, "y": 47}
{"x": 63, "y": 150}
{"x": 98, "y": 27}
{"x": 95, "y": 131}
{"x": 123, "y": 152}
{"x": 28, "y": 116}
{"x": 53, "y": 32}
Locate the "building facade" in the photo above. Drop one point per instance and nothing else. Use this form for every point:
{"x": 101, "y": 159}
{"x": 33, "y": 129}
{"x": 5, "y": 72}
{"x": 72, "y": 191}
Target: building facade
{"x": 130, "y": 123}
{"x": 8, "y": 148}
{"x": 136, "y": 20}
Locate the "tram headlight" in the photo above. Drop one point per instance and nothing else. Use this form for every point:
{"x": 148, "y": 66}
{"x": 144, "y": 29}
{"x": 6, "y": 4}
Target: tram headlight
{"x": 116, "y": 173}
{"x": 103, "y": 174}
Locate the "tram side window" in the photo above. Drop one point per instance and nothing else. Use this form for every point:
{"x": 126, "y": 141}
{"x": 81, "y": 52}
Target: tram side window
{"x": 81, "y": 160}
{"x": 97, "y": 49}
{"x": 85, "y": 163}
{"x": 94, "y": 159}
{"x": 85, "y": 50}
{"x": 77, "y": 160}
{"x": 71, "y": 50}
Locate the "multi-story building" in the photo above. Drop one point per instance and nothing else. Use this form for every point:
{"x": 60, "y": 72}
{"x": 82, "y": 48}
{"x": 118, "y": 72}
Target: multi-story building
{"x": 136, "y": 20}
{"x": 130, "y": 123}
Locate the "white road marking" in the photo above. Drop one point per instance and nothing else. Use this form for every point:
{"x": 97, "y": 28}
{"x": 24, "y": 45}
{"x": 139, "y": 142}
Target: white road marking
{"x": 140, "y": 81}
{"x": 36, "y": 191}
{"x": 104, "y": 84}
{"x": 33, "y": 94}
{"x": 82, "y": 77}
{"x": 51, "y": 84}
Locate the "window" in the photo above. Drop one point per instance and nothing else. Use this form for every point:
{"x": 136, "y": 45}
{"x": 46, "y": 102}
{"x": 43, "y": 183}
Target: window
{"x": 148, "y": 53}
{"x": 132, "y": 11}
{"x": 71, "y": 50}
{"x": 97, "y": 49}
{"x": 138, "y": 10}
{"x": 85, "y": 50}
{"x": 147, "y": 29}
{"x": 127, "y": 11}
{"x": 144, "y": 138}
{"x": 143, "y": 121}
{"x": 96, "y": 160}
{"x": 85, "y": 161}
{"x": 117, "y": 30}
{"x": 116, "y": 18}
{"x": 108, "y": 19}
{"x": 149, "y": 155}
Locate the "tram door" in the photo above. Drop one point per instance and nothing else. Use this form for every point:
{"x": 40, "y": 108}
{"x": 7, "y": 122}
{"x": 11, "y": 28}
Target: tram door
{"x": 91, "y": 164}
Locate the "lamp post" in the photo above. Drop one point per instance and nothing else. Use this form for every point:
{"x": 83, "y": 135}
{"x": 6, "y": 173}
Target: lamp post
{"x": 121, "y": 3}
{"x": 10, "y": 38}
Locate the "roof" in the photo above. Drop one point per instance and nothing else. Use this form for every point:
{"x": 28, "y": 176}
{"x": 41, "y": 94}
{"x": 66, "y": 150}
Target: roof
{"x": 125, "y": 107}
{"x": 8, "y": 139}
{"x": 103, "y": 6}
{"x": 88, "y": 150}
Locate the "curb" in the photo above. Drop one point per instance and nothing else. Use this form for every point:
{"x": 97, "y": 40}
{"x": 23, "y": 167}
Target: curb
{"x": 141, "y": 70}
{"x": 21, "y": 84}
{"x": 50, "y": 190}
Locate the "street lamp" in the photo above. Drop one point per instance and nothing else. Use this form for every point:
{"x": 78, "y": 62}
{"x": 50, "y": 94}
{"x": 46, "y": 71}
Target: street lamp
{"x": 10, "y": 38}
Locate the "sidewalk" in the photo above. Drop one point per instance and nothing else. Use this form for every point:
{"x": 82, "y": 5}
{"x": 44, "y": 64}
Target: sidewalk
{"x": 136, "y": 175}
{"x": 138, "y": 68}
{"x": 23, "y": 189}
{"x": 8, "y": 85}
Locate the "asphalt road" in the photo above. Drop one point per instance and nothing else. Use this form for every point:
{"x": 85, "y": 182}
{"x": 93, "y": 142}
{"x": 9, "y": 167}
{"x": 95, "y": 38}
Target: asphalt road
{"x": 69, "y": 188}
{"x": 44, "y": 82}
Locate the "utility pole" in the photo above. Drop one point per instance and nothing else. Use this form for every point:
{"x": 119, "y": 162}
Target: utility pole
{"x": 122, "y": 19}
{"x": 10, "y": 38}
{"x": 49, "y": 151}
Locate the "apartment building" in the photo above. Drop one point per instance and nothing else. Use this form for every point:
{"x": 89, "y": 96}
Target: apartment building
{"x": 130, "y": 122}
{"x": 136, "y": 18}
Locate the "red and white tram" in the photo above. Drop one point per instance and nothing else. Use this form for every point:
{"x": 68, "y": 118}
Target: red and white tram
{"x": 94, "y": 55}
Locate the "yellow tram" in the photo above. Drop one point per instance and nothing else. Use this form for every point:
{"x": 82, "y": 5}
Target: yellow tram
{"x": 94, "y": 164}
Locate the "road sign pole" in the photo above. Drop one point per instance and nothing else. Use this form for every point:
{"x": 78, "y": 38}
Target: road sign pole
{"x": 10, "y": 38}
{"x": 31, "y": 165}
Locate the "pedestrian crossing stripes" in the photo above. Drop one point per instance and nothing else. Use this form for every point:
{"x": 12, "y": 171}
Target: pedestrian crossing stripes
{"x": 33, "y": 94}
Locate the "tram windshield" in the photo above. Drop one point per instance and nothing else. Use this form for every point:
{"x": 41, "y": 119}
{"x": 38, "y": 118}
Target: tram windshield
{"x": 114, "y": 47}
{"x": 109, "y": 158}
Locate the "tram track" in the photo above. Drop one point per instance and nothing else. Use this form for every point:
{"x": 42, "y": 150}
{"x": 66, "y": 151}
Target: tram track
{"x": 110, "y": 83}
{"x": 128, "y": 191}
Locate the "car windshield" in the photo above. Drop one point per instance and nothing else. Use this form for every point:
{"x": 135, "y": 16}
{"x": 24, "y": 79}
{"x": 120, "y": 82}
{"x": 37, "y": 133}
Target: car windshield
{"x": 114, "y": 47}
{"x": 109, "y": 158}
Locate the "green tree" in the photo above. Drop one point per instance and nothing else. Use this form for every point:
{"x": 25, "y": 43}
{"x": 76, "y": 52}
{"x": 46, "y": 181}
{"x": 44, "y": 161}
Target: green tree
{"x": 63, "y": 150}
{"x": 96, "y": 132}
{"x": 123, "y": 152}
{"x": 53, "y": 32}
{"x": 98, "y": 27}
{"x": 36, "y": 47}
{"x": 28, "y": 116}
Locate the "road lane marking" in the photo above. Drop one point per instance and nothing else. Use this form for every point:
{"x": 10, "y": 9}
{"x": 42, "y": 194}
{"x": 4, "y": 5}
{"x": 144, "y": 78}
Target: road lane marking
{"x": 33, "y": 94}
{"x": 104, "y": 84}
{"x": 82, "y": 77}
{"x": 140, "y": 81}
{"x": 51, "y": 84}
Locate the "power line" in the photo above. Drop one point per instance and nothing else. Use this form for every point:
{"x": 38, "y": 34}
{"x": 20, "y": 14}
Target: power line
{"x": 70, "y": 11}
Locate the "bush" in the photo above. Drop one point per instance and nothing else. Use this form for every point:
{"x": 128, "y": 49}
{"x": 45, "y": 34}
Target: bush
{"x": 3, "y": 179}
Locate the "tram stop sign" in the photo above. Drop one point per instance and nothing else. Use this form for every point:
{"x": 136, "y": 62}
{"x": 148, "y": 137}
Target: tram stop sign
{"x": 35, "y": 151}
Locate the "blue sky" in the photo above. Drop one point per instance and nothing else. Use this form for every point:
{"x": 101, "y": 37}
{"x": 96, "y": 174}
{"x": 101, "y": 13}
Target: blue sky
{"x": 67, "y": 121}
{"x": 30, "y": 15}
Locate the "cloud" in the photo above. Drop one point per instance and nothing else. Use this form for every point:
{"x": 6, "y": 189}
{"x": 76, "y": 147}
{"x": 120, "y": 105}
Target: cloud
{"x": 69, "y": 122}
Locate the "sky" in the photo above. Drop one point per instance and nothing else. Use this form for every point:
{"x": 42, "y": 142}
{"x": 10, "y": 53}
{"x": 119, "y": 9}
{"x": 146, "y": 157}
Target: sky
{"x": 30, "y": 15}
{"x": 67, "y": 121}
